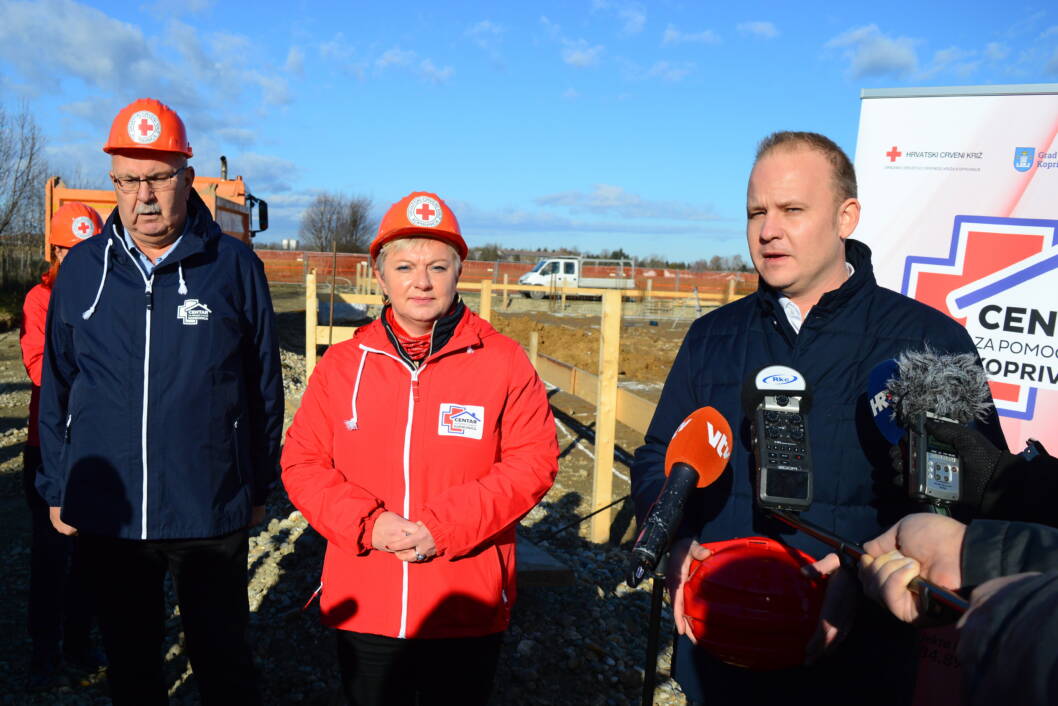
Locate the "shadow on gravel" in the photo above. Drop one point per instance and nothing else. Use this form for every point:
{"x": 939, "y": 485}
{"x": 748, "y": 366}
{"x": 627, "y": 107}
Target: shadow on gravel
{"x": 295, "y": 653}
{"x": 584, "y": 643}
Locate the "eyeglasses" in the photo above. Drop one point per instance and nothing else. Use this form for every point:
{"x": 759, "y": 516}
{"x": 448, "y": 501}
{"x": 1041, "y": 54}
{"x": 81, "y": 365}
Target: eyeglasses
{"x": 156, "y": 182}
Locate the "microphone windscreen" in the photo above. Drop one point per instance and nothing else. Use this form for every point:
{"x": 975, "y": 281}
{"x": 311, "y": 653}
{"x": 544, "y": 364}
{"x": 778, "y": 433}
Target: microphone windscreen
{"x": 703, "y": 442}
{"x": 949, "y": 385}
{"x": 881, "y": 402}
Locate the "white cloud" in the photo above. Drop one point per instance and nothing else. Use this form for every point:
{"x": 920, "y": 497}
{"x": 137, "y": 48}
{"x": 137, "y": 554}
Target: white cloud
{"x": 434, "y": 73}
{"x": 267, "y": 174}
{"x": 580, "y": 53}
{"x": 488, "y": 36}
{"x": 672, "y": 35}
{"x": 240, "y": 136}
{"x": 103, "y": 63}
{"x": 338, "y": 53}
{"x": 871, "y": 53}
{"x": 1049, "y": 32}
{"x": 1052, "y": 65}
{"x": 485, "y": 33}
{"x": 996, "y": 51}
{"x": 553, "y": 30}
{"x": 610, "y": 200}
{"x": 395, "y": 57}
{"x": 668, "y": 71}
{"x": 960, "y": 62}
{"x": 766, "y": 30}
{"x": 571, "y": 94}
{"x": 632, "y": 15}
{"x": 295, "y": 63}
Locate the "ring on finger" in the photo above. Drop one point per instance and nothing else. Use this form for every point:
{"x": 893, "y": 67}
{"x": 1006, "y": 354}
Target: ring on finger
{"x": 420, "y": 557}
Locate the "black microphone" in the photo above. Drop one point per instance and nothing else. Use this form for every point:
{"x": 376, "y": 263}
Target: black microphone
{"x": 928, "y": 385}
{"x": 696, "y": 456}
{"x": 776, "y": 399}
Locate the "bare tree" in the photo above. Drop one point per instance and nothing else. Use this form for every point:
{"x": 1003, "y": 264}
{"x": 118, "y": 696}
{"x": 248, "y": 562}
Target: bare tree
{"x": 22, "y": 173}
{"x": 335, "y": 219}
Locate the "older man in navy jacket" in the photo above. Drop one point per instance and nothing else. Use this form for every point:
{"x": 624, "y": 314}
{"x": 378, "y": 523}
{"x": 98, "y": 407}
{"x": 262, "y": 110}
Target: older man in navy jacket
{"x": 819, "y": 310}
{"x": 161, "y": 412}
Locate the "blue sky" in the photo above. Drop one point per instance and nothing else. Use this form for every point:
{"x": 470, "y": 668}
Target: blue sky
{"x": 597, "y": 124}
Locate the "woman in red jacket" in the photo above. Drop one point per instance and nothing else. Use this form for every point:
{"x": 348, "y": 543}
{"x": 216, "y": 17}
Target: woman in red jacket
{"x": 417, "y": 447}
{"x": 59, "y": 609}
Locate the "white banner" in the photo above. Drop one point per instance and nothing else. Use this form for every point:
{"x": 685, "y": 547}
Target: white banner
{"x": 960, "y": 207}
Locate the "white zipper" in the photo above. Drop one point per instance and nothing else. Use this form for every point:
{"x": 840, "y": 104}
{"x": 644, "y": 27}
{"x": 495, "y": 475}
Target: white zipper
{"x": 402, "y": 633}
{"x": 148, "y": 290}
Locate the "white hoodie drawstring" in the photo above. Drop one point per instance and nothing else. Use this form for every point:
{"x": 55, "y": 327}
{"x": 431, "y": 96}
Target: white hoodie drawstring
{"x": 350, "y": 424}
{"x": 99, "y": 292}
{"x": 183, "y": 286}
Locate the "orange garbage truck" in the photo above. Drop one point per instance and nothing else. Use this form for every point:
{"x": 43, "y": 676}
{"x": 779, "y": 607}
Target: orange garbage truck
{"x": 239, "y": 213}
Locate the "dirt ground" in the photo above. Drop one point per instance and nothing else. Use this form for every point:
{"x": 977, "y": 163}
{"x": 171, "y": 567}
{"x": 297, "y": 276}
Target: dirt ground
{"x": 544, "y": 659}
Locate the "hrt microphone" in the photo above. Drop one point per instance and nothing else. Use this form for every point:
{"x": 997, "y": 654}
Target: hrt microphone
{"x": 947, "y": 387}
{"x": 880, "y": 401}
{"x": 696, "y": 456}
{"x": 776, "y": 400}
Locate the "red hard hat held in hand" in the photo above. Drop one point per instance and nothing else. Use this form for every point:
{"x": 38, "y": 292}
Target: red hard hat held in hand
{"x": 72, "y": 223}
{"x": 750, "y": 605}
{"x": 420, "y": 214}
{"x": 148, "y": 124}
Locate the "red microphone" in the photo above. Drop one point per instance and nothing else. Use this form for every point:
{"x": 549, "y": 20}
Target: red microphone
{"x": 697, "y": 455}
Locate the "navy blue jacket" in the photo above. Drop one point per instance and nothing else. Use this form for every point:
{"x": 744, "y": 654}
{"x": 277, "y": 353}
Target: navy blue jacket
{"x": 847, "y": 333}
{"x": 1009, "y": 644}
{"x": 162, "y": 403}
{"x": 844, "y": 336}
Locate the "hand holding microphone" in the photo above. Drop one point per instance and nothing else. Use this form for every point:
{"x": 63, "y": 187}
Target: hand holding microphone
{"x": 922, "y": 545}
{"x": 696, "y": 456}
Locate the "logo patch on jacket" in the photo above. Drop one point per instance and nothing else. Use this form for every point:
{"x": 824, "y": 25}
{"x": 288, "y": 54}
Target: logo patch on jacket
{"x": 192, "y": 311}
{"x": 461, "y": 420}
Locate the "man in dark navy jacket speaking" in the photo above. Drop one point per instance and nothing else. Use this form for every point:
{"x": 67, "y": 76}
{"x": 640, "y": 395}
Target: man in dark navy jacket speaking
{"x": 818, "y": 310}
{"x": 161, "y": 412}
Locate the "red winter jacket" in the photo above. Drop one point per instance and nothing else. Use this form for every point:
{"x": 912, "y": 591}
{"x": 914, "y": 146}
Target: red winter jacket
{"x": 31, "y": 336}
{"x": 465, "y": 444}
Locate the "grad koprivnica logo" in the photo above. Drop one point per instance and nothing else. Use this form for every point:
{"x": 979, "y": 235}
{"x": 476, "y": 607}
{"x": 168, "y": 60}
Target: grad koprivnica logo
{"x": 999, "y": 280}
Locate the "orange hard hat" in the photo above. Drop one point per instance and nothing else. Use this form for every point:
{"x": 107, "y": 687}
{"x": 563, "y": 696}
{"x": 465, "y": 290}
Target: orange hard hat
{"x": 72, "y": 223}
{"x": 423, "y": 215}
{"x": 147, "y": 124}
{"x": 751, "y": 606}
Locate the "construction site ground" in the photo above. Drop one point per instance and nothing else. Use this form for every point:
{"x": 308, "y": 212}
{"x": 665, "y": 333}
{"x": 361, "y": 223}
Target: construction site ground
{"x": 577, "y": 644}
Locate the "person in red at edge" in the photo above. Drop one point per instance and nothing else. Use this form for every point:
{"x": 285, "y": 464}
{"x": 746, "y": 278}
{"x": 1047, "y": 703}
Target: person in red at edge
{"x": 418, "y": 446}
{"x": 59, "y": 610}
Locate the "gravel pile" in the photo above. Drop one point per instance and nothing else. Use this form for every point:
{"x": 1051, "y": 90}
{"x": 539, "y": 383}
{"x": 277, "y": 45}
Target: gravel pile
{"x": 577, "y": 644}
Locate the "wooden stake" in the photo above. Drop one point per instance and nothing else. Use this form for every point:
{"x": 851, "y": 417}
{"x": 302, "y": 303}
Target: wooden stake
{"x": 485, "y": 304}
{"x": 506, "y": 294}
{"x": 606, "y": 413}
{"x": 312, "y": 305}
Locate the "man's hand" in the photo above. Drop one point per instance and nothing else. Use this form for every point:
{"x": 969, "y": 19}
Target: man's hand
{"x": 390, "y": 528}
{"x": 677, "y": 572}
{"x": 417, "y": 546}
{"x": 838, "y": 610}
{"x": 257, "y": 515}
{"x": 924, "y": 544}
{"x": 60, "y": 526}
